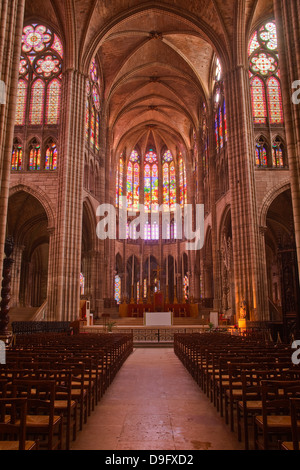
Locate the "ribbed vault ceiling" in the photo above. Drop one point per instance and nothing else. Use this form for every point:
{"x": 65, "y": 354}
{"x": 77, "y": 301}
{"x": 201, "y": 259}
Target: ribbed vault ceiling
{"x": 156, "y": 59}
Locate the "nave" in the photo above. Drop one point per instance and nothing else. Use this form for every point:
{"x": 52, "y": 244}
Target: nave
{"x": 154, "y": 404}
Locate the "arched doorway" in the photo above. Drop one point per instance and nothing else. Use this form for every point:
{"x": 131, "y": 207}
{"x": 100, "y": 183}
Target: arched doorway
{"x": 281, "y": 260}
{"x": 27, "y": 223}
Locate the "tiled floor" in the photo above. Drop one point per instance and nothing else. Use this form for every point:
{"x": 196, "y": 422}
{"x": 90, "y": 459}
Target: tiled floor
{"x": 154, "y": 404}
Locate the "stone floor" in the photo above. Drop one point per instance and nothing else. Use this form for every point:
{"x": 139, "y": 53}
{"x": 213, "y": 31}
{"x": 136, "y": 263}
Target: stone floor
{"x": 154, "y": 404}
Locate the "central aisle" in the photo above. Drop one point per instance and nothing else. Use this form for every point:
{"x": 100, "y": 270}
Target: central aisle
{"x": 154, "y": 404}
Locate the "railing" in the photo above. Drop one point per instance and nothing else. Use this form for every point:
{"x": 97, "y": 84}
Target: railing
{"x": 275, "y": 311}
{"x": 41, "y": 313}
{"x": 154, "y": 335}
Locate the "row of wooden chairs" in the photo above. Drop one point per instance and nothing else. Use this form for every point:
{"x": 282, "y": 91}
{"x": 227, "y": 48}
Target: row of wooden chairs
{"x": 67, "y": 374}
{"x": 237, "y": 374}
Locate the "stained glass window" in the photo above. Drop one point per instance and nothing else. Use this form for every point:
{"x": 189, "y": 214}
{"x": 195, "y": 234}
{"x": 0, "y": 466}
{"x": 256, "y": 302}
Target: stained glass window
{"x": 87, "y": 120}
{"x": 53, "y": 101}
{"x": 120, "y": 182}
{"x": 225, "y": 122}
{"x": 118, "y": 289}
{"x": 97, "y": 132}
{"x": 133, "y": 182}
{"x": 155, "y": 231}
{"x": 169, "y": 182}
{"x": 151, "y": 182}
{"x": 218, "y": 71}
{"x": 92, "y": 128}
{"x": 17, "y": 157}
{"x": 173, "y": 230}
{"x": 35, "y": 157}
{"x": 186, "y": 287}
{"x": 182, "y": 182}
{"x": 258, "y": 100}
{"x": 21, "y": 102}
{"x": 51, "y": 157}
{"x": 278, "y": 155}
{"x": 265, "y": 76}
{"x": 220, "y": 122}
{"x": 82, "y": 284}
{"x": 40, "y": 76}
{"x": 261, "y": 155}
{"x": 37, "y": 102}
{"x": 254, "y": 44}
{"x": 93, "y": 107}
{"x": 217, "y": 131}
{"x": 220, "y": 118}
{"x": 275, "y": 101}
{"x": 147, "y": 231}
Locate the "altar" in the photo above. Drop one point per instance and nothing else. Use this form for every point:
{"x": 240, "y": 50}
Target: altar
{"x": 158, "y": 318}
{"x": 158, "y": 304}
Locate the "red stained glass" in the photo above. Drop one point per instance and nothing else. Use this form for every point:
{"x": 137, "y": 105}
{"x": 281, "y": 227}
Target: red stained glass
{"x": 182, "y": 181}
{"x": 265, "y": 85}
{"x": 53, "y": 102}
{"x": 130, "y": 186}
{"x": 51, "y": 157}
{"x": 21, "y": 103}
{"x": 258, "y": 100}
{"x": 169, "y": 182}
{"x": 136, "y": 186}
{"x": 37, "y": 102}
{"x": 261, "y": 156}
{"x": 97, "y": 132}
{"x": 275, "y": 101}
{"x": 35, "y": 158}
{"x": 278, "y": 160}
{"x": 42, "y": 52}
{"x": 92, "y": 128}
{"x": 17, "y": 157}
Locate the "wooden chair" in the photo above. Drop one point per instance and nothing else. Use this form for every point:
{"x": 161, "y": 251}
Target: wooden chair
{"x": 3, "y": 387}
{"x": 295, "y": 412}
{"x": 64, "y": 404}
{"x": 275, "y": 419}
{"x": 41, "y": 419}
{"x": 250, "y": 403}
{"x": 13, "y": 412}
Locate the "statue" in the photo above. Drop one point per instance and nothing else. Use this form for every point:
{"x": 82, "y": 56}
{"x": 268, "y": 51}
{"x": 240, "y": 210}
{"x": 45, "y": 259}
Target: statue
{"x": 243, "y": 310}
{"x": 6, "y": 286}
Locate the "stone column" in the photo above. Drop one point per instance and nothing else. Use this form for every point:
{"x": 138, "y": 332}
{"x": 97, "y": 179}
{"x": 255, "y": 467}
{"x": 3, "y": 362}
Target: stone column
{"x": 288, "y": 30}
{"x": 16, "y": 275}
{"x": 11, "y": 26}
{"x": 249, "y": 268}
{"x": 213, "y": 199}
{"x": 64, "y": 292}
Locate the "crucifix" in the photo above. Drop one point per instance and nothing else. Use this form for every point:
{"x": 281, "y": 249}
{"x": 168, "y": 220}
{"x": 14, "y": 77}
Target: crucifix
{"x": 157, "y": 271}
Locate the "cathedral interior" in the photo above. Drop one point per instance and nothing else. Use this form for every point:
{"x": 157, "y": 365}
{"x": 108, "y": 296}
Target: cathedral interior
{"x": 150, "y": 172}
{"x": 161, "y": 105}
